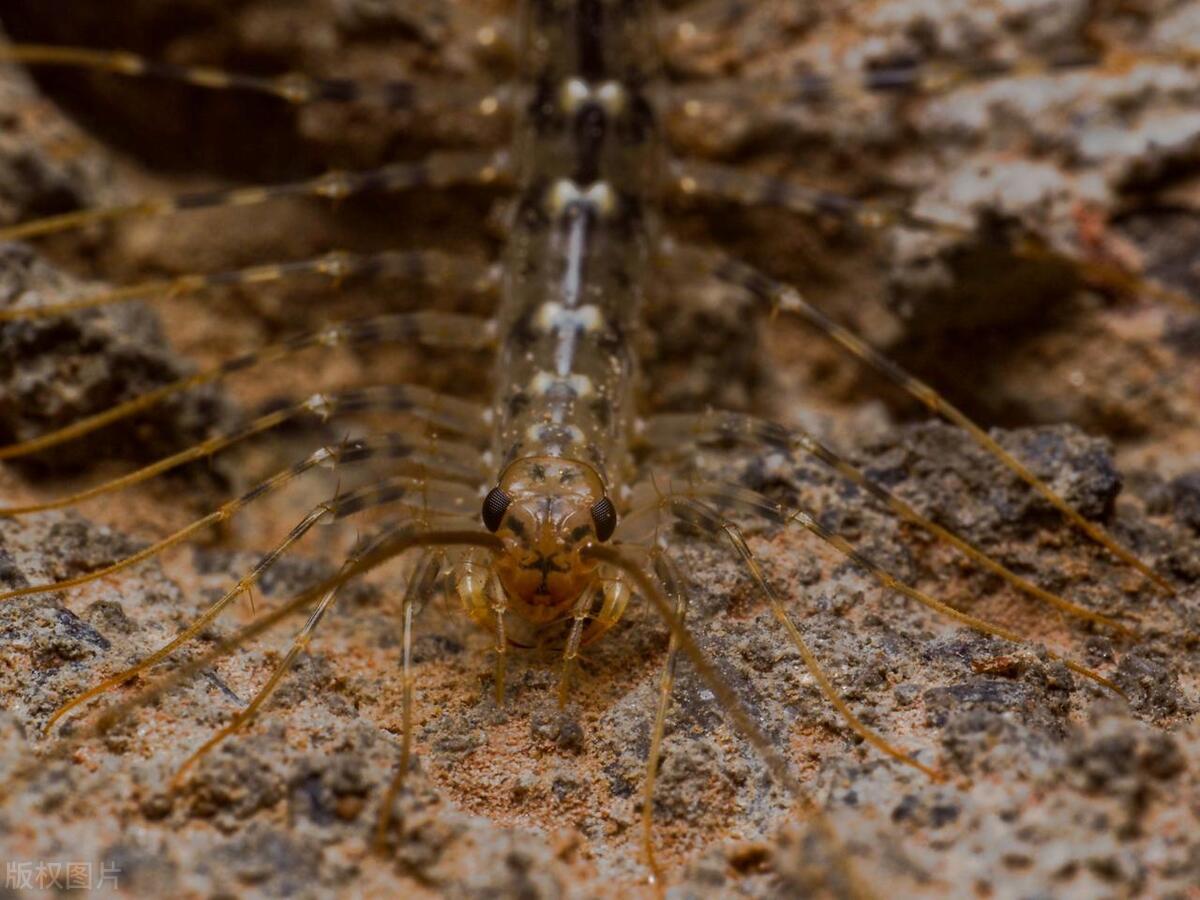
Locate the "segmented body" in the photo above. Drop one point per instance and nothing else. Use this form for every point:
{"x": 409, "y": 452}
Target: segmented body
{"x": 579, "y": 252}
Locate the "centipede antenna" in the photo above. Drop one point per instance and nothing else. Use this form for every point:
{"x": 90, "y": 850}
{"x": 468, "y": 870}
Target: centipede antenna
{"x": 64, "y": 746}
{"x": 441, "y": 497}
{"x": 905, "y": 511}
{"x": 813, "y": 664}
{"x": 545, "y": 467}
{"x": 431, "y": 329}
{"x": 706, "y": 427}
{"x": 732, "y": 706}
{"x": 440, "y": 170}
{"x": 759, "y": 505}
{"x": 292, "y": 87}
{"x": 786, "y": 299}
{"x": 389, "y": 547}
{"x": 427, "y": 267}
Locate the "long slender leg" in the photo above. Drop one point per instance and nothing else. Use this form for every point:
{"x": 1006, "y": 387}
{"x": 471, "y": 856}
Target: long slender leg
{"x": 419, "y": 585}
{"x": 455, "y": 459}
{"x": 733, "y": 707}
{"x": 245, "y": 716}
{"x": 713, "y": 20}
{"x": 690, "y": 179}
{"x": 427, "y": 267}
{"x": 669, "y": 578}
{"x": 292, "y": 87}
{"x": 916, "y": 79}
{"x": 412, "y": 494}
{"x": 439, "y": 170}
{"x": 671, "y": 430}
{"x": 782, "y": 297}
{"x": 686, "y": 504}
{"x": 456, "y": 498}
{"x": 425, "y": 496}
{"x": 697, "y": 513}
{"x": 199, "y": 451}
{"x": 432, "y": 329}
{"x": 391, "y": 544}
{"x": 222, "y": 513}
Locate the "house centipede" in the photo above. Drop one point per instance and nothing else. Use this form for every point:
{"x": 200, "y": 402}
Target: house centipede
{"x": 558, "y": 558}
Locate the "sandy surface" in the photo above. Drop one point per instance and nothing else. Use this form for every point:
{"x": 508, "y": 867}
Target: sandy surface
{"x": 1058, "y": 787}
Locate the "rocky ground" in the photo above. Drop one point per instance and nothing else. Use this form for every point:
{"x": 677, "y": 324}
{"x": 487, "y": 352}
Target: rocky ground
{"x": 1057, "y": 787}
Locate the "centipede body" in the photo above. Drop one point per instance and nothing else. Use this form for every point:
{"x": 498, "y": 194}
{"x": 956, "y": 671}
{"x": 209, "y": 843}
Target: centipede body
{"x": 728, "y": 771}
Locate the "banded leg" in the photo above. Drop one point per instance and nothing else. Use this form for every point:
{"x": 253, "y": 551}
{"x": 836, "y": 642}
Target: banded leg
{"x": 914, "y": 79}
{"x": 669, "y": 578}
{"x": 687, "y": 179}
{"x": 456, "y": 496}
{"x": 701, "y": 428}
{"x": 687, "y": 505}
{"x": 414, "y": 494}
{"x": 431, "y": 329}
{"x": 782, "y": 297}
{"x": 455, "y": 459}
{"x": 427, "y": 267}
{"x": 440, "y": 170}
{"x": 713, "y": 20}
{"x": 295, "y": 88}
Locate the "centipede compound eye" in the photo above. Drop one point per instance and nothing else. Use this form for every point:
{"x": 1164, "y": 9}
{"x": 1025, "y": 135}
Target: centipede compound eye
{"x": 604, "y": 516}
{"x": 495, "y": 504}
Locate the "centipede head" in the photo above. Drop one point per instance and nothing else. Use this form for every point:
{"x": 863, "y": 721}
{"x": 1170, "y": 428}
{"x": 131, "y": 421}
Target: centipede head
{"x": 547, "y": 511}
